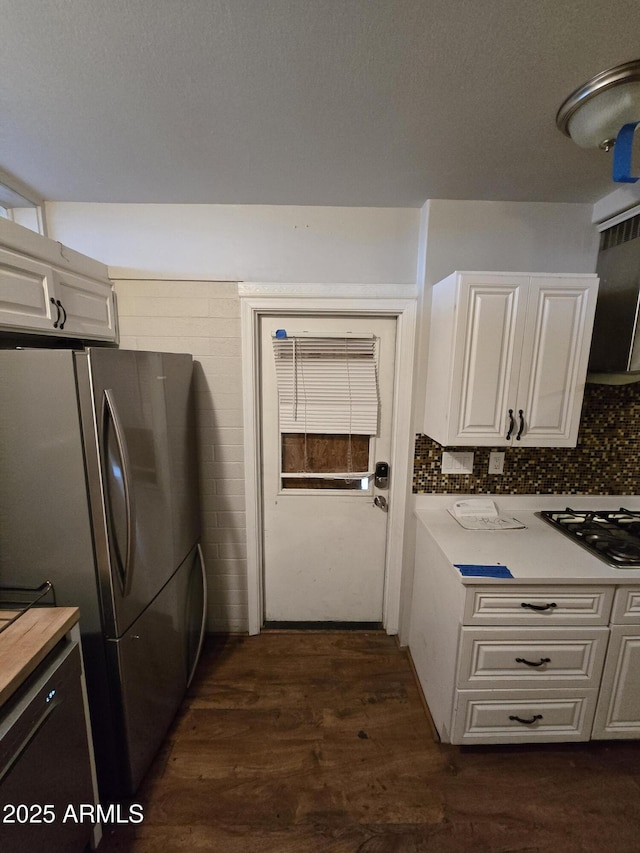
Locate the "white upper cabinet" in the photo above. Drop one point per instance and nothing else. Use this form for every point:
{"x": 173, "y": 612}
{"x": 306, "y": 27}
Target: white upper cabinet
{"x": 508, "y": 358}
{"x": 88, "y": 305}
{"x": 26, "y": 291}
{"x": 48, "y": 289}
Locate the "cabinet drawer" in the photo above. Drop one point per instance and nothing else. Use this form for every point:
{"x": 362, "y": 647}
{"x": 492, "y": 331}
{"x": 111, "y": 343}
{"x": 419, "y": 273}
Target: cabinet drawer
{"x": 537, "y": 605}
{"x": 531, "y": 657}
{"x": 497, "y": 716}
{"x": 626, "y": 606}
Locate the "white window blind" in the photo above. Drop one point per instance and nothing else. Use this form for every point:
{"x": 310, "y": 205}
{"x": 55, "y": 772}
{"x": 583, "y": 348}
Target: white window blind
{"x": 327, "y": 385}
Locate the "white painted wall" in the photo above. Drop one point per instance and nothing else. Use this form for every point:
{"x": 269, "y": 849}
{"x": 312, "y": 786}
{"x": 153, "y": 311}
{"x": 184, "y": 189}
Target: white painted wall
{"x": 243, "y": 242}
{"x": 509, "y": 236}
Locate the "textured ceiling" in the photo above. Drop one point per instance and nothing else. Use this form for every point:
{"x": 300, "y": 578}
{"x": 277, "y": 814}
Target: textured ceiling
{"x": 323, "y": 102}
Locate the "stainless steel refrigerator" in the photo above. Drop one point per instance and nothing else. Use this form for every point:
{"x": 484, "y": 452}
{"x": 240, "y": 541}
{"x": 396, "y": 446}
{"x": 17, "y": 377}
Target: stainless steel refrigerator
{"x": 99, "y": 495}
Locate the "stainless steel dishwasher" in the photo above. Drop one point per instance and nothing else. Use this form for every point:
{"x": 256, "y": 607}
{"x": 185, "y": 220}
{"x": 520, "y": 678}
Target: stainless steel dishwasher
{"x": 45, "y": 774}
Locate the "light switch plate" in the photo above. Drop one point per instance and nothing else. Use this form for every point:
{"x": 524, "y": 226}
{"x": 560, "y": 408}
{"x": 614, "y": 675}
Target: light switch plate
{"x": 457, "y": 462}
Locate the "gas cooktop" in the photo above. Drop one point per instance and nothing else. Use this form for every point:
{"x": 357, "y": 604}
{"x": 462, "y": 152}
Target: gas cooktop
{"x": 612, "y": 535}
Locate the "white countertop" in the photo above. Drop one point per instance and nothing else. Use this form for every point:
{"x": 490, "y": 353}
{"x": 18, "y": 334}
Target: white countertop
{"x": 536, "y": 554}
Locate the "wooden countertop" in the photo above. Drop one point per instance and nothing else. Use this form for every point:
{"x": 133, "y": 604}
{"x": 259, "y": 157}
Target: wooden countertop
{"x": 25, "y": 643}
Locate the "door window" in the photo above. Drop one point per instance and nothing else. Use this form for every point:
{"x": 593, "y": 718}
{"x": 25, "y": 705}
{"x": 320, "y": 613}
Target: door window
{"x": 325, "y": 461}
{"x": 328, "y": 411}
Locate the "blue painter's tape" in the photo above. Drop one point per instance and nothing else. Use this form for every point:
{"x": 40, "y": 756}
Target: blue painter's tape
{"x": 281, "y": 333}
{"x": 622, "y": 153}
{"x": 470, "y": 570}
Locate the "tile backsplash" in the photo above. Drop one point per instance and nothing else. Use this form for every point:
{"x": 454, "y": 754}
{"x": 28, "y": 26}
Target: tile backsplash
{"x": 606, "y": 460}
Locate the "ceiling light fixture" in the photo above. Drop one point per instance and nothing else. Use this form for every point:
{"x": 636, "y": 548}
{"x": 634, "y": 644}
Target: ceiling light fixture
{"x": 604, "y": 113}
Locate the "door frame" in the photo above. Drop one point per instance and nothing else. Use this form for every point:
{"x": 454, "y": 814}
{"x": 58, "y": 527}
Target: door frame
{"x": 258, "y": 300}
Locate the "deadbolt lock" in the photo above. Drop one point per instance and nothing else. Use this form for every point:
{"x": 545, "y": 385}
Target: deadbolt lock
{"x": 381, "y": 478}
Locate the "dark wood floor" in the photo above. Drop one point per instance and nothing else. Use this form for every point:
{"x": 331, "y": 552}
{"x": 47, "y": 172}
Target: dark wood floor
{"x": 319, "y": 742}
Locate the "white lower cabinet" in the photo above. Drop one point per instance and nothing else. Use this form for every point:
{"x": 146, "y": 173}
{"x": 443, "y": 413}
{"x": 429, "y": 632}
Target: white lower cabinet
{"x": 618, "y": 712}
{"x": 506, "y": 663}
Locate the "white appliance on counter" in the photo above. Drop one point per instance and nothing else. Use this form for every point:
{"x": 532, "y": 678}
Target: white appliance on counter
{"x": 98, "y": 494}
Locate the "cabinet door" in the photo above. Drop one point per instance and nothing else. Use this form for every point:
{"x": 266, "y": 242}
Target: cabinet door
{"x": 26, "y": 290}
{"x": 554, "y": 360}
{"x": 490, "y": 328}
{"x": 88, "y": 305}
{"x": 618, "y": 711}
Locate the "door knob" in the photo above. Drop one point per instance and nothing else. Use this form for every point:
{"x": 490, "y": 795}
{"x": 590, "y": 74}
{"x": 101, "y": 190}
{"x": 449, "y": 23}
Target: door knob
{"x": 381, "y": 502}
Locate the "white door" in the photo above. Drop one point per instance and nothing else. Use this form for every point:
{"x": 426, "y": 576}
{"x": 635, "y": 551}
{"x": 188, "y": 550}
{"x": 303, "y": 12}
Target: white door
{"x": 324, "y": 537}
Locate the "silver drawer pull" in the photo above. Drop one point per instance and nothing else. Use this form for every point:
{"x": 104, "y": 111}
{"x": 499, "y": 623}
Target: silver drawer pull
{"x": 533, "y": 663}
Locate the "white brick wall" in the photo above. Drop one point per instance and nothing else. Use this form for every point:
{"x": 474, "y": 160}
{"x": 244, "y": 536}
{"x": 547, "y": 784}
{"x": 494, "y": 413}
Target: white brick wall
{"x": 203, "y": 318}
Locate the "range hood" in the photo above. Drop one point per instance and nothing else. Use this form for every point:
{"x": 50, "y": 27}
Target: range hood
{"x": 615, "y": 345}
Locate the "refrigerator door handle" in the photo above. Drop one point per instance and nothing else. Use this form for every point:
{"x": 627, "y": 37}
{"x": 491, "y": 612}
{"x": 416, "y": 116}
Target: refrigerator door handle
{"x": 203, "y": 616}
{"x": 111, "y": 411}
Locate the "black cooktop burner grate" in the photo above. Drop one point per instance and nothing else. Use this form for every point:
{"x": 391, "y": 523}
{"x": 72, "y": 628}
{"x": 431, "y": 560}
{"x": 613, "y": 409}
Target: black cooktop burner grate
{"x": 612, "y": 535}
